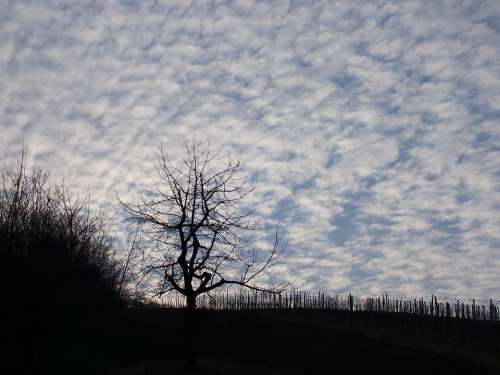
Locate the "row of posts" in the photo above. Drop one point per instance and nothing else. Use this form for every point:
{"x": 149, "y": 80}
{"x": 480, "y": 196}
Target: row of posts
{"x": 304, "y": 300}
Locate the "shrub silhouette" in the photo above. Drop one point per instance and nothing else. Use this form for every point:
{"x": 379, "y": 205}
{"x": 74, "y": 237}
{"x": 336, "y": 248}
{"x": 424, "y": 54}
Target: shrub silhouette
{"x": 52, "y": 249}
{"x": 58, "y": 273}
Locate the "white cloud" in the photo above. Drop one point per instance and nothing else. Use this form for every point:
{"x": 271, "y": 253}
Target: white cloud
{"x": 373, "y": 126}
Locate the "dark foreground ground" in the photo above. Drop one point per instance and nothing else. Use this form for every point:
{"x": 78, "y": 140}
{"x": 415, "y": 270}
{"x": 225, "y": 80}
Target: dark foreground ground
{"x": 151, "y": 341}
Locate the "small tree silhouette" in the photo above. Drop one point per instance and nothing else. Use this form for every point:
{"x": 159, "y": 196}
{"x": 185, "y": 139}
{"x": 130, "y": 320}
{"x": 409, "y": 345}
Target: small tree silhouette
{"x": 198, "y": 238}
{"x": 194, "y": 233}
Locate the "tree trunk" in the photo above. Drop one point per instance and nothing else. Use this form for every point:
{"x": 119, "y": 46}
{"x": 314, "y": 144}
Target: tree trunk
{"x": 190, "y": 354}
{"x": 191, "y": 302}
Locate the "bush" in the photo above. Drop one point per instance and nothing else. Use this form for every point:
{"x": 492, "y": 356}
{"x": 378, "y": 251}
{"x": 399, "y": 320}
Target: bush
{"x": 53, "y": 251}
{"x": 59, "y": 278}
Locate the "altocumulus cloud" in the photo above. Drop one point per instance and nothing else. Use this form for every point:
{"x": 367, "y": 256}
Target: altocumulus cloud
{"x": 371, "y": 130}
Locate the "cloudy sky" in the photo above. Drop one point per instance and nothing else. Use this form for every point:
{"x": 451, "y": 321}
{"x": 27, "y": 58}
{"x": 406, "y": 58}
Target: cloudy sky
{"x": 370, "y": 129}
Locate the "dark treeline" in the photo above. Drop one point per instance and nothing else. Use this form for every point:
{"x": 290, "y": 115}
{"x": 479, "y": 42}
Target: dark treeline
{"x": 299, "y": 300}
{"x": 52, "y": 248}
{"x": 58, "y": 273}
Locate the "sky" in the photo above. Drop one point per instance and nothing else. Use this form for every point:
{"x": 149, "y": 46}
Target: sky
{"x": 369, "y": 129}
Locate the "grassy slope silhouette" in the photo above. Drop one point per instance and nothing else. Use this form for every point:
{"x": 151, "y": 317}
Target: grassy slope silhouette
{"x": 310, "y": 342}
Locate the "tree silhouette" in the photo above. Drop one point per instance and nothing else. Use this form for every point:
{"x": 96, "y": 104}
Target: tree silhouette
{"x": 198, "y": 238}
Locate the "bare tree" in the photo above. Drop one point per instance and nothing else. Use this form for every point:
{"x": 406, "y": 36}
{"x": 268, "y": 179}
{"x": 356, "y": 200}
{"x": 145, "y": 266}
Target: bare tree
{"x": 199, "y": 239}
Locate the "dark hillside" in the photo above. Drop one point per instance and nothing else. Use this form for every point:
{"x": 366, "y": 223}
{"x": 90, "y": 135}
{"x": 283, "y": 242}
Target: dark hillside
{"x": 151, "y": 341}
{"x": 311, "y": 342}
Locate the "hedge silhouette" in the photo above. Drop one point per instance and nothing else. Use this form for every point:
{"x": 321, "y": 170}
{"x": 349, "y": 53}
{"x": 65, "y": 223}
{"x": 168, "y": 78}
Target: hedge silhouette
{"x": 58, "y": 273}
